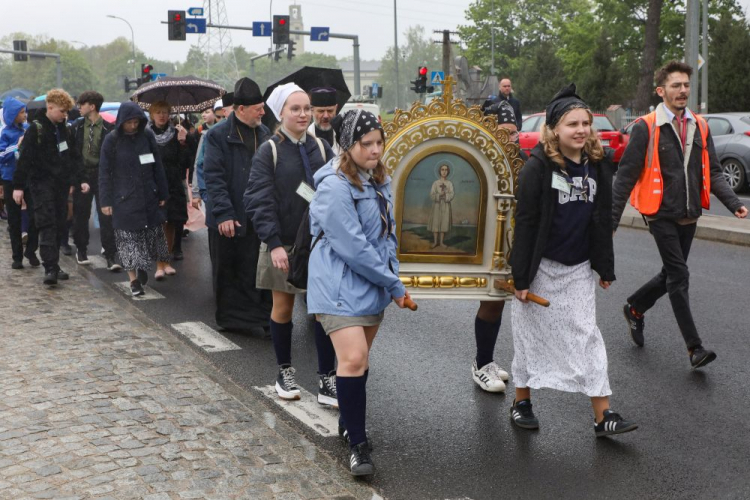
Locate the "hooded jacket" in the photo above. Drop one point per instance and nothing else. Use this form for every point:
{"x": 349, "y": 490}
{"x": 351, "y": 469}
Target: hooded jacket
{"x": 11, "y": 134}
{"x": 226, "y": 169}
{"x": 353, "y": 270}
{"x": 49, "y": 157}
{"x": 682, "y": 179}
{"x": 130, "y": 181}
{"x": 535, "y": 209}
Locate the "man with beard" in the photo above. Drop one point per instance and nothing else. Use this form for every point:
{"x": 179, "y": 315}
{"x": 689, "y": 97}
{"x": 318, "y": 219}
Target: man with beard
{"x": 669, "y": 170}
{"x": 324, "y": 109}
{"x": 233, "y": 244}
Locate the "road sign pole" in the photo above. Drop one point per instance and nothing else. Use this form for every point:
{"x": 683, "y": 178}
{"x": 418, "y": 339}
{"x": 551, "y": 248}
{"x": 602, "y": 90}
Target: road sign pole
{"x": 58, "y": 62}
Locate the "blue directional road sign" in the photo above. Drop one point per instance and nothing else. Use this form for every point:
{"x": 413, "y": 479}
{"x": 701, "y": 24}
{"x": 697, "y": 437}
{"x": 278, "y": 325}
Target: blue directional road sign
{"x": 195, "y": 25}
{"x": 262, "y": 28}
{"x": 374, "y": 89}
{"x": 195, "y": 11}
{"x": 319, "y": 34}
{"x": 437, "y": 77}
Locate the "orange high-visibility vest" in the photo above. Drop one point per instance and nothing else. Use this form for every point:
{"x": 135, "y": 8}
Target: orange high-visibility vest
{"x": 649, "y": 190}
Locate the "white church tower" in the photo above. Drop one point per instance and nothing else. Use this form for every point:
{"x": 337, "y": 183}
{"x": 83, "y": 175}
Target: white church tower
{"x": 295, "y": 23}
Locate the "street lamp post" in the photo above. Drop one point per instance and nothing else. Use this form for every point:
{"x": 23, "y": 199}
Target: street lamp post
{"x": 492, "y": 50}
{"x": 395, "y": 52}
{"x": 270, "y": 18}
{"x": 132, "y": 38}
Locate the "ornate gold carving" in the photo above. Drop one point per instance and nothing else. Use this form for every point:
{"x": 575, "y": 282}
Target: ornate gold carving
{"x": 443, "y": 281}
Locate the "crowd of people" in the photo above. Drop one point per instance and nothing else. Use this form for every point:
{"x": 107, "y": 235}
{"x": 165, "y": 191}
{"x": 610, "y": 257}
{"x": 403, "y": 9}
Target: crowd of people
{"x": 314, "y": 195}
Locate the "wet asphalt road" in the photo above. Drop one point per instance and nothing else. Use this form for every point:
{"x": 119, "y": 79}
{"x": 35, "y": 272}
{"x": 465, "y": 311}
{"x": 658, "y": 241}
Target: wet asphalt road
{"x": 437, "y": 435}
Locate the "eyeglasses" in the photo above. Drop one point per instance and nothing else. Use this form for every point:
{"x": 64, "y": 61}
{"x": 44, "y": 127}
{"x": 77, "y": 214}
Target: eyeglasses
{"x": 299, "y": 110}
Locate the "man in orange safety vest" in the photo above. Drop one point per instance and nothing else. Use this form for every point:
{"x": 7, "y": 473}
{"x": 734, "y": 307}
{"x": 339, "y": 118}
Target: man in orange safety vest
{"x": 668, "y": 171}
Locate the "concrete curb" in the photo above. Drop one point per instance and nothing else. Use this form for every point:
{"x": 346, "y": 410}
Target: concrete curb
{"x": 710, "y": 227}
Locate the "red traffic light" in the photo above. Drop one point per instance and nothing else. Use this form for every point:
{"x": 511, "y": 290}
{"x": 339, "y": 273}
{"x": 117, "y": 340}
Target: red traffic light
{"x": 147, "y": 68}
{"x": 423, "y": 70}
{"x": 282, "y": 21}
{"x": 178, "y": 17}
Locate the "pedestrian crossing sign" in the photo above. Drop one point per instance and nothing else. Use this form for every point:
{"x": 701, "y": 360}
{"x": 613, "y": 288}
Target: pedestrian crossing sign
{"x": 437, "y": 78}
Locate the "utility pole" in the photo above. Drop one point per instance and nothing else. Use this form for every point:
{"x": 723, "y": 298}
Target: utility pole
{"x": 704, "y": 69}
{"x": 446, "y": 42}
{"x": 692, "y": 18}
{"x": 395, "y": 52}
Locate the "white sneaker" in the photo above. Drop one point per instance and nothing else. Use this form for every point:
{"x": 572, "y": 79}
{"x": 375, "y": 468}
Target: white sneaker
{"x": 501, "y": 374}
{"x": 488, "y": 378}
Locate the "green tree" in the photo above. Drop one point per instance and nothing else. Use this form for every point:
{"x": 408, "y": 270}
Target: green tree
{"x": 729, "y": 64}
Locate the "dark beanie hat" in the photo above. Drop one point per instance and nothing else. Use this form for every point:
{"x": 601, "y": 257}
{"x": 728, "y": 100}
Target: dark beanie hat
{"x": 247, "y": 93}
{"x": 323, "y": 96}
{"x": 564, "y": 101}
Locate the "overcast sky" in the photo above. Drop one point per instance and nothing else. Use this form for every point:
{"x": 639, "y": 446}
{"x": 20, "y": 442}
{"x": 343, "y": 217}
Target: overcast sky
{"x": 85, "y": 21}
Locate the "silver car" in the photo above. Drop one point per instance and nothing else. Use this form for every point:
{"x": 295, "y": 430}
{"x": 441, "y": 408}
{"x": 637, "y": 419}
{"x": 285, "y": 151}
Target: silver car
{"x": 731, "y": 134}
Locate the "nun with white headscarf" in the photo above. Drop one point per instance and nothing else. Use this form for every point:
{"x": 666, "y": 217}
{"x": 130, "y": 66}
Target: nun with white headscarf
{"x": 279, "y": 191}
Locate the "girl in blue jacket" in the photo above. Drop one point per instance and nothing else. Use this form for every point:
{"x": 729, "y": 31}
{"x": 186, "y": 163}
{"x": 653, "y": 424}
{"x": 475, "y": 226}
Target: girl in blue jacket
{"x": 14, "y": 116}
{"x": 353, "y": 270}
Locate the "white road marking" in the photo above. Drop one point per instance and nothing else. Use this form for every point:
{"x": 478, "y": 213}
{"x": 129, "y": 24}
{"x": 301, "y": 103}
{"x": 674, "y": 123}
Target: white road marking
{"x": 150, "y": 294}
{"x": 205, "y": 337}
{"x": 321, "y": 419}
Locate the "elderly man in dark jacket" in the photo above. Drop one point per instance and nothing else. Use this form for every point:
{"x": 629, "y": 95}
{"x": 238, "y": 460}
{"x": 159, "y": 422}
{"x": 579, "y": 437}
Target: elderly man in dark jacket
{"x": 233, "y": 245}
{"x": 671, "y": 181}
{"x": 133, "y": 187}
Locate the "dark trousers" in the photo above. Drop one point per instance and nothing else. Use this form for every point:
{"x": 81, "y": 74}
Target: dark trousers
{"x": 673, "y": 241}
{"x": 81, "y": 216}
{"x": 15, "y": 225}
{"x": 50, "y": 198}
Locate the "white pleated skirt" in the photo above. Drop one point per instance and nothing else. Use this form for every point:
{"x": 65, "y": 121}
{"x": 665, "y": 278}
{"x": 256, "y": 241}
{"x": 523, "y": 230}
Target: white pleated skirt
{"x": 560, "y": 346}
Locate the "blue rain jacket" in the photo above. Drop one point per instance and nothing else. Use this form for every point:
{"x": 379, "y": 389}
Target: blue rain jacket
{"x": 12, "y": 132}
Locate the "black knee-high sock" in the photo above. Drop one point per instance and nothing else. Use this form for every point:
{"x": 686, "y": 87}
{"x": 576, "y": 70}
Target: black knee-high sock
{"x": 326, "y": 352}
{"x": 281, "y": 335}
{"x": 486, "y": 336}
{"x": 353, "y": 406}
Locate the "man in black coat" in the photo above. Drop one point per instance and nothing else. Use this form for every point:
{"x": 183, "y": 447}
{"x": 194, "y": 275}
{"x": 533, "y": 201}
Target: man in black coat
{"x": 50, "y": 164}
{"x": 505, "y": 94}
{"x": 233, "y": 244}
{"x": 89, "y": 131}
{"x": 673, "y": 214}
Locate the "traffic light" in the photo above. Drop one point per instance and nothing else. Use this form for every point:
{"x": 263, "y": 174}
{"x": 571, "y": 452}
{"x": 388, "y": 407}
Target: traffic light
{"x": 420, "y": 84}
{"x": 277, "y": 54}
{"x": 177, "y": 25}
{"x": 130, "y": 84}
{"x": 281, "y": 30}
{"x": 290, "y": 50}
{"x": 20, "y": 45}
{"x": 145, "y": 74}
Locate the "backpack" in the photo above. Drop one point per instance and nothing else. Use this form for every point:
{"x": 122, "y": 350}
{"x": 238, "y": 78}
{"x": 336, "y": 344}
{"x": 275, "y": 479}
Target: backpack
{"x": 299, "y": 255}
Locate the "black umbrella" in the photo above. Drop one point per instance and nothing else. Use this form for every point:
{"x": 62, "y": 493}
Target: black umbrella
{"x": 309, "y": 78}
{"x": 185, "y": 94}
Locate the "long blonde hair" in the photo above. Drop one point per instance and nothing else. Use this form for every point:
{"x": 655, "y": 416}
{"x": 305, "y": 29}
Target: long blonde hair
{"x": 593, "y": 147}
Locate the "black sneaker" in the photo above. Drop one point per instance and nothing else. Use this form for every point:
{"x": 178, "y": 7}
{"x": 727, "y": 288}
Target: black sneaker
{"x": 613, "y": 423}
{"x": 112, "y": 264}
{"x": 136, "y": 289}
{"x": 344, "y": 434}
{"x": 142, "y": 276}
{"x": 62, "y": 275}
{"x": 701, "y": 357}
{"x": 360, "y": 463}
{"x": 286, "y": 386}
{"x": 178, "y": 255}
{"x": 33, "y": 259}
{"x": 522, "y": 415}
{"x": 66, "y": 250}
{"x": 50, "y": 278}
{"x": 327, "y": 390}
{"x": 17, "y": 264}
{"x": 635, "y": 325}
{"x": 81, "y": 257}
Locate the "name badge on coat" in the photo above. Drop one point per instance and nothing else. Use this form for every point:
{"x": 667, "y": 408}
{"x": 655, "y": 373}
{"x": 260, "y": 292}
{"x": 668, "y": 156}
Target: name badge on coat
{"x": 147, "y": 158}
{"x": 305, "y": 191}
{"x": 63, "y": 146}
{"x": 559, "y": 183}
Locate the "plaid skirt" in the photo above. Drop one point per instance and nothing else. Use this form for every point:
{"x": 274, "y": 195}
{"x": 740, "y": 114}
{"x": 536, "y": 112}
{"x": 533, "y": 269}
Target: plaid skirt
{"x": 140, "y": 249}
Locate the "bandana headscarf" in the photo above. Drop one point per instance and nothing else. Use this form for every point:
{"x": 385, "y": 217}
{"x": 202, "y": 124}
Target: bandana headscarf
{"x": 564, "y": 101}
{"x": 352, "y": 125}
{"x": 279, "y": 96}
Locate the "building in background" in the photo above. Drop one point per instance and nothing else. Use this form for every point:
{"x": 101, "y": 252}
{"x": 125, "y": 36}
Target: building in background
{"x": 369, "y": 73}
{"x": 296, "y": 23}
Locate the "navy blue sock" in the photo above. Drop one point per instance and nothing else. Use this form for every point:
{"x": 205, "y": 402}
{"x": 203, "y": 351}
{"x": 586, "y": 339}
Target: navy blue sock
{"x": 486, "y": 336}
{"x": 326, "y": 352}
{"x": 281, "y": 335}
{"x": 352, "y": 406}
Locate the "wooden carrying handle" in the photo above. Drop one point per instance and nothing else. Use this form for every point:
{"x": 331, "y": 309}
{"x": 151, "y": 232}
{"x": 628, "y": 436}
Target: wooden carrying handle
{"x": 531, "y": 297}
{"x": 536, "y": 299}
{"x": 410, "y": 304}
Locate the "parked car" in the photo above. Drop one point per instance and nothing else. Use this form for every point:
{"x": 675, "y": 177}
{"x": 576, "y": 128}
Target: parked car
{"x": 731, "y": 135}
{"x": 608, "y": 134}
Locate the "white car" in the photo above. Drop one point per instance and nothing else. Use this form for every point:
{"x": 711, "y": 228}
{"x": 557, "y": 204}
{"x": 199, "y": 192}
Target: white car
{"x": 367, "y": 106}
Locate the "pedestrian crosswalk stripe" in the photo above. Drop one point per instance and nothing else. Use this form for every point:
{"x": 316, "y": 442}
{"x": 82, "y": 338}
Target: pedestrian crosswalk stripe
{"x": 321, "y": 419}
{"x": 150, "y": 294}
{"x": 205, "y": 337}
